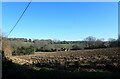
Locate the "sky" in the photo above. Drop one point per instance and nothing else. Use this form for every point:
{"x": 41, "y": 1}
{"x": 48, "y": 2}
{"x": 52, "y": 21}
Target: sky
{"x": 61, "y": 0}
{"x": 61, "y": 20}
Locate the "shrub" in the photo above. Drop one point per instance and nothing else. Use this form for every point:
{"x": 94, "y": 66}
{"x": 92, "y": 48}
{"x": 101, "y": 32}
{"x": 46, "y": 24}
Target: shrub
{"x": 23, "y": 50}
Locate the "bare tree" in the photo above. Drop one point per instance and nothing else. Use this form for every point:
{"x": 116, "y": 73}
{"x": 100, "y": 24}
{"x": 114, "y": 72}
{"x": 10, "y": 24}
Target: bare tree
{"x": 5, "y": 45}
{"x": 90, "y": 41}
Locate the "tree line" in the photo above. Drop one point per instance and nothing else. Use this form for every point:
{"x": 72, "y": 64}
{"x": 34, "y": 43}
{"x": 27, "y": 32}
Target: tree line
{"x": 22, "y": 46}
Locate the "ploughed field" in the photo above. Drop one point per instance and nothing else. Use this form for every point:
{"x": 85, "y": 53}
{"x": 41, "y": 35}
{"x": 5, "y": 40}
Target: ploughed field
{"x": 93, "y": 60}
